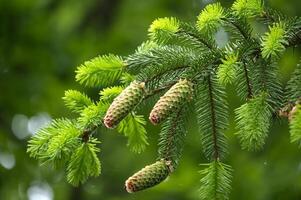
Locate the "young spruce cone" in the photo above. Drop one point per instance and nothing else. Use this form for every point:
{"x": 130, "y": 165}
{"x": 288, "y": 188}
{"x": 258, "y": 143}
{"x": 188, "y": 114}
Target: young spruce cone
{"x": 149, "y": 176}
{"x": 176, "y": 96}
{"x": 123, "y": 104}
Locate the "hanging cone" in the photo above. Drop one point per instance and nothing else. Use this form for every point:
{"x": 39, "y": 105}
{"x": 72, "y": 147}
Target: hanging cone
{"x": 173, "y": 99}
{"x": 149, "y": 176}
{"x": 123, "y": 104}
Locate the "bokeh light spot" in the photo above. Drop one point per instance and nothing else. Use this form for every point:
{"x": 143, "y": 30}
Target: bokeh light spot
{"x": 41, "y": 191}
{"x": 7, "y": 160}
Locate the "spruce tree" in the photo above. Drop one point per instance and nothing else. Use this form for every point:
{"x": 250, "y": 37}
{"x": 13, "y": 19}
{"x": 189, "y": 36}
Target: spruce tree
{"x": 183, "y": 68}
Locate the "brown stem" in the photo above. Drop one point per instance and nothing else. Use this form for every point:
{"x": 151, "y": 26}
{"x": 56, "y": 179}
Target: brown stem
{"x": 250, "y": 94}
{"x": 213, "y": 120}
{"x": 158, "y": 90}
{"x": 85, "y": 136}
{"x": 164, "y": 72}
{"x": 238, "y": 28}
{"x": 171, "y": 137}
{"x": 203, "y": 41}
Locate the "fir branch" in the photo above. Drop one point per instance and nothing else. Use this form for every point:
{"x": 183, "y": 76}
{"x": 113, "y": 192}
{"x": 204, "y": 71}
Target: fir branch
{"x": 244, "y": 50}
{"x": 210, "y": 18}
{"x": 100, "y": 71}
{"x": 216, "y": 181}
{"x": 62, "y": 145}
{"x": 107, "y": 95}
{"x": 146, "y": 47}
{"x": 76, "y": 101}
{"x": 274, "y": 42}
{"x": 159, "y": 56}
{"x": 55, "y": 141}
{"x": 180, "y": 51}
{"x": 295, "y": 124}
{"x": 133, "y": 126}
{"x": 264, "y": 75}
{"x": 159, "y": 73}
{"x": 127, "y": 78}
{"x": 171, "y": 31}
{"x": 212, "y": 117}
{"x": 227, "y": 71}
{"x": 162, "y": 28}
{"x": 84, "y": 163}
{"x": 93, "y": 115}
{"x": 171, "y": 139}
{"x": 239, "y": 28}
{"x": 248, "y": 8}
{"x": 292, "y": 26}
{"x": 293, "y": 88}
{"x": 192, "y": 37}
{"x": 253, "y": 122}
{"x": 172, "y": 60}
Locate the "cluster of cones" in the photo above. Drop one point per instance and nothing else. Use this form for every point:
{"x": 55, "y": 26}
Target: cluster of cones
{"x": 125, "y": 102}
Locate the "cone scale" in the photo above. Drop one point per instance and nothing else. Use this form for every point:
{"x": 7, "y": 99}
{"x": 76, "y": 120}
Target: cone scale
{"x": 123, "y": 104}
{"x": 172, "y": 100}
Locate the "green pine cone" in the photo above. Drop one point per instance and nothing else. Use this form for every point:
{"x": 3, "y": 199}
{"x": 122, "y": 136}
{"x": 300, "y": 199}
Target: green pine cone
{"x": 176, "y": 96}
{"x": 123, "y": 104}
{"x": 149, "y": 176}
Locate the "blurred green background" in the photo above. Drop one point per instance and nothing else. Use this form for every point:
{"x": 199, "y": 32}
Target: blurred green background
{"x": 42, "y": 42}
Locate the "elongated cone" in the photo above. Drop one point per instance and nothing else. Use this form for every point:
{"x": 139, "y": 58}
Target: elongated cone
{"x": 123, "y": 104}
{"x": 149, "y": 176}
{"x": 176, "y": 96}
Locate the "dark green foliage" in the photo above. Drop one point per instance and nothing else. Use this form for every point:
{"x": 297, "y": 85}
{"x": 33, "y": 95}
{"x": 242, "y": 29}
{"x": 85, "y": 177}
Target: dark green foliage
{"x": 212, "y": 114}
{"x": 294, "y": 85}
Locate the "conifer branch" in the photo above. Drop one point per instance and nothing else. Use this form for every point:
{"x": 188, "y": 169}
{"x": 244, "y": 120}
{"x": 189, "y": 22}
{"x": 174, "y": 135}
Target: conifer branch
{"x": 216, "y": 181}
{"x": 182, "y": 63}
{"x": 211, "y": 100}
{"x": 237, "y": 24}
{"x": 197, "y": 38}
{"x": 295, "y": 124}
{"x": 172, "y": 138}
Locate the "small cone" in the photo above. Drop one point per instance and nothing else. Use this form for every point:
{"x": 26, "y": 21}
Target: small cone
{"x": 123, "y": 104}
{"x": 149, "y": 176}
{"x": 176, "y": 96}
